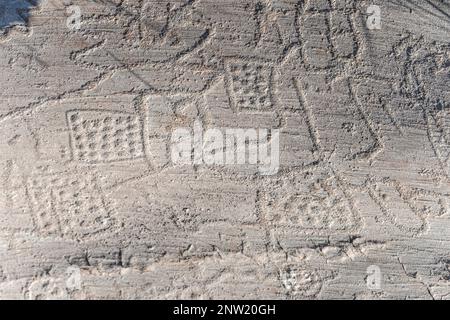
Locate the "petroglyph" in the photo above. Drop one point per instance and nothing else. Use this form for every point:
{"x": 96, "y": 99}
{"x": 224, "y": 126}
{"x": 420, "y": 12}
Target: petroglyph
{"x": 327, "y": 33}
{"x": 397, "y": 205}
{"x": 103, "y": 137}
{"x": 69, "y": 206}
{"x": 250, "y": 85}
{"x": 318, "y": 205}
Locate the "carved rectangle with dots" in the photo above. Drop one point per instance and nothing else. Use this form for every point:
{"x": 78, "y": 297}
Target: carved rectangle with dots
{"x": 99, "y": 136}
{"x": 320, "y": 206}
{"x": 71, "y": 206}
{"x": 249, "y": 85}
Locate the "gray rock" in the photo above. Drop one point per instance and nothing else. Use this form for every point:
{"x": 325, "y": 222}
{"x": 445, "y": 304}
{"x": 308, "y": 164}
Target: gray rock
{"x": 93, "y": 205}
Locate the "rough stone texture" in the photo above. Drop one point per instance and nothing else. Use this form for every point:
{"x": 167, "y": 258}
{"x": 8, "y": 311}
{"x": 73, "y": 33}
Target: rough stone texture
{"x": 85, "y": 122}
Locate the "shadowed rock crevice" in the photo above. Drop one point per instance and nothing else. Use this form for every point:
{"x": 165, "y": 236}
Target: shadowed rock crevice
{"x": 15, "y": 13}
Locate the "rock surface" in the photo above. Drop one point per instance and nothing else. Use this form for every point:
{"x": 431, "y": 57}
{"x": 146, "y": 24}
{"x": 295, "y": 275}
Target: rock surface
{"x": 91, "y": 206}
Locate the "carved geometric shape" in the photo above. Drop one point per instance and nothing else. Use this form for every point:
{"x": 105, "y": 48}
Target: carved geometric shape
{"x": 98, "y": 136}
{"x": 300, "y": 283}
{"x": 327, "y": 33}
{"x": 398, "y": 206}
{"x": 249, "y": 84}
{"x": 326, "y": 208}
{"x": 322, "y": 206}
{"x": 68, "y": 205}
